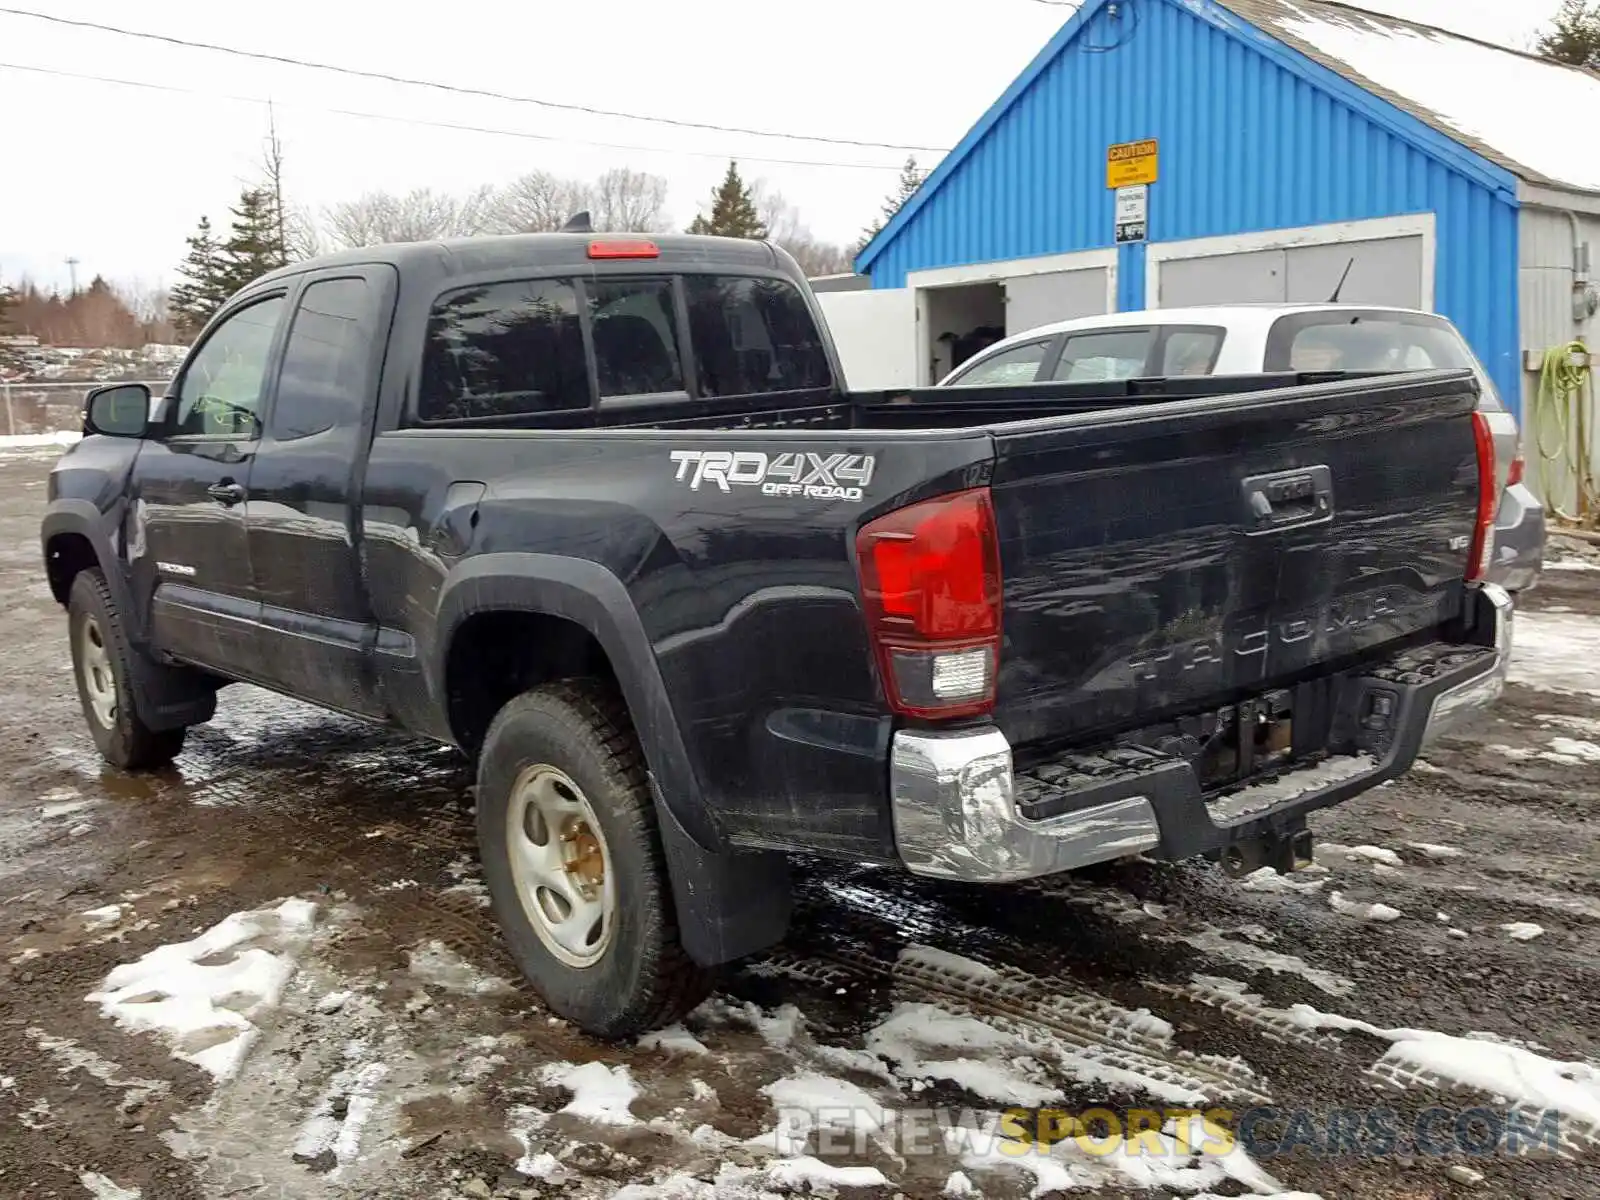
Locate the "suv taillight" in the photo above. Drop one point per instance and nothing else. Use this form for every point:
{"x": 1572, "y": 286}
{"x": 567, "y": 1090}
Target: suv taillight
{"x": 1482, "y": 552}
{"x": 930, "y": 585}
{"x": 1518, "y": 465}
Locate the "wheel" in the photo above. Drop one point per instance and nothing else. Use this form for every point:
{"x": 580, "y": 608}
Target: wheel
{"x": 102, "y": 662}
{"x": 573, "y": 861}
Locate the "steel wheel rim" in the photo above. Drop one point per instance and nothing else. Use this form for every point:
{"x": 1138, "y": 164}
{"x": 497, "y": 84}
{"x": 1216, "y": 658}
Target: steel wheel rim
{"x": 94, "y": 672}
{"x": 560, "y": 865}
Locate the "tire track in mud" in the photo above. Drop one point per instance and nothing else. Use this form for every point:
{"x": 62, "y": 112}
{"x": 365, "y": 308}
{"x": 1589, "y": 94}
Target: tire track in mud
{"x": 1050, "y": 1014}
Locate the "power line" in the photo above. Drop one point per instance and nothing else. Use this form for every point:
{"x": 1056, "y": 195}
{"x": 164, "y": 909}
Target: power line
{"x": 385, "y": 77}
{"x": 447, "y": 125}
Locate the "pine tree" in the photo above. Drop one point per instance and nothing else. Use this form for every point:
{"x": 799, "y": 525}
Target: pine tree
{"x": 733, "y": 211}
{"x": 911, "y": 177}
{"x": 255, "y": 243}
{"x": 205, "y": 282}
{"x": 1575, "y": 35}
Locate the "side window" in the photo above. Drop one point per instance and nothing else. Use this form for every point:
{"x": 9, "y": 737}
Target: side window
{"x": 1109, "y": 354}
{"x": 635, "y": 336}
{"x": 220, "y": 392}
{"x": 752, "y": 335}
{"x": 324, "y": 377}
{"x": 1020, "y": 364}
{"x": 1190, "y": 351}
{"x": 503, "y": 350}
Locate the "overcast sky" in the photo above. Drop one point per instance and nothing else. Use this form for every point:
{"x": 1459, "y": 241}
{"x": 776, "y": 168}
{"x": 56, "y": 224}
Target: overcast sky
{"x": 117, "y": 176}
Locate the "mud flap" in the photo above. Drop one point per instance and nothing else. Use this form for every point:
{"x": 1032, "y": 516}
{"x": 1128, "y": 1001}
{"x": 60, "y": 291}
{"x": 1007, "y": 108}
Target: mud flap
{"x": 169, "y": 697}
{"x": 729, "y": 903}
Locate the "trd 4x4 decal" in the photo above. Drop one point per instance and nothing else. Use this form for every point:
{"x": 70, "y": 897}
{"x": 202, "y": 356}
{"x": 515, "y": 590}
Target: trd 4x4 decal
{"x": 807, "y": 475}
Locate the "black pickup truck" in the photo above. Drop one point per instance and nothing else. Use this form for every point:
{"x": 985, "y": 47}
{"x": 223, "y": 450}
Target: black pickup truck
{"x": 599, "y": 512}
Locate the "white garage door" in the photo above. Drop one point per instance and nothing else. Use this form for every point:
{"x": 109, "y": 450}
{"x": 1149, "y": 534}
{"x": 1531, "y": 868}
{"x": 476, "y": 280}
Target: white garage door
{"x": 1034, "y": 300}
{"x": 1384, "y": 271}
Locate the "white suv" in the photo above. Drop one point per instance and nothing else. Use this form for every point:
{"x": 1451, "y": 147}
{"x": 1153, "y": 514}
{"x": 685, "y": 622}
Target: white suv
{"x": 1248, "y": 339}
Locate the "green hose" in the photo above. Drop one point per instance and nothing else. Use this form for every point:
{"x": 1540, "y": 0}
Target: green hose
{"x": 1562, "y": 407}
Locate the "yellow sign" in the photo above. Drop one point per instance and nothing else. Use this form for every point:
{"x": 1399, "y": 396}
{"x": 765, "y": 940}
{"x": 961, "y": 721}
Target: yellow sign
{"x": 1128, "y": 163}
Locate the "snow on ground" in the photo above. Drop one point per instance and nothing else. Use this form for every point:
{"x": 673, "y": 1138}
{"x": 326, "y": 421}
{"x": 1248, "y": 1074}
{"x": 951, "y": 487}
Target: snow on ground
{"x": 599, "y": 1093}
{"x": 1254, "y": 957}
{"x": 1523, "y": 931}
{"x": 1556, "y": 652}
{"x": 436, "y": 964}
{"x": 30, "y": 441}
{"x": 926, "y": 1042}
{"x": 205, "y": 995}
{"x": 1570, "y": 564}
{"x": 1377, "y": 854}
{"x": 1361, "y": 911}
{"x": 1528, "y": 1079}
{"x": 1435, "y": 851}
{"x": 674, "y": 1039}
{"x": 102, "y": 1188}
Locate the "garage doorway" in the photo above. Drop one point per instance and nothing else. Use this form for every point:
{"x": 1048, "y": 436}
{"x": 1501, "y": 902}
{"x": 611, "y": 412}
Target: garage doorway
{"x": 963, "y": 310}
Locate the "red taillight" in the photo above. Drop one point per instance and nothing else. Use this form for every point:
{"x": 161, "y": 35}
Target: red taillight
{"x": 1482, "y": 552}
{"x": 930, "y": 584}
{"x": 1514, "y": 473}
{"x": 624, "y": 248}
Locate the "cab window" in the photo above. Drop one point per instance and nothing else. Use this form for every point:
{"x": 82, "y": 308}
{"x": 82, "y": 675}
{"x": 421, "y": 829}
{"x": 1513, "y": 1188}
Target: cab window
{"x": 1019, "y": 364}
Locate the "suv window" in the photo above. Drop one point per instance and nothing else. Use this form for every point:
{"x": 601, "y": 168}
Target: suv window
{"x": 220, "y": 392}
{"x": 635, "y": 336}
{"x": 503, "y": 350}
{"x": 1191, "y": 351}
{"x": 1020, "y": 364}
{"x": 752, "y": 335}
{"x": 1104, "y": 355}
{"x": 324, "y": 377}
{"x": 1371, "y": 341}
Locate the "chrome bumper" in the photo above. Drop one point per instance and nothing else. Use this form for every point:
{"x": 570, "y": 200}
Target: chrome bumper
{"x": 954, "y": 794}
{"x": 955, "y": 815}
{"x": 1452, "y": 708}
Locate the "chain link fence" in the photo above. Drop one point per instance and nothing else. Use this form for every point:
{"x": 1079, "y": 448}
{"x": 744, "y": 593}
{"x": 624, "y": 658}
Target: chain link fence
{"x": 54, "y": 407}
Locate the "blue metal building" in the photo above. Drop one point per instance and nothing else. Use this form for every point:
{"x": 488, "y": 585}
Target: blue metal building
{"x": 1285, "y": 153}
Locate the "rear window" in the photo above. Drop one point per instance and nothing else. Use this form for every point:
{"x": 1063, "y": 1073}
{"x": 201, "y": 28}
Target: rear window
{"x": 635, "y": 337}
{"x": 516, "y": 349}
{"x": 503, "y": 350}
{"x": 752, "y": 335}
{"x": 1372, "y": 341}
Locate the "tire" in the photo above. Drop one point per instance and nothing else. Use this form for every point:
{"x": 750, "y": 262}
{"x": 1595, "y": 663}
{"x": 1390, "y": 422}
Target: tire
{"x": 103, "y": 664}
{"x": 553, "y": 759}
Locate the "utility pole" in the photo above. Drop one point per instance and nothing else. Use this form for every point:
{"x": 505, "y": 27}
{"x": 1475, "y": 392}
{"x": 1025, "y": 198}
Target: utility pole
{"x": 72, "y": 269}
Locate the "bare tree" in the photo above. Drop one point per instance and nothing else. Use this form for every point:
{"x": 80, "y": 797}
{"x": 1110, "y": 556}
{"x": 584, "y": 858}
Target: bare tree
{"x": 784, "y": 226}
{"x": 627, "y": 201}
{"x": 302, "y": 233}
{"x": 538, "y": 202}
{"x": 418, "y": 216}
{"x": 272, "y": 171}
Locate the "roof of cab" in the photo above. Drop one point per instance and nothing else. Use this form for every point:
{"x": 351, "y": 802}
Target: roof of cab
{"x": 469, "y": 255}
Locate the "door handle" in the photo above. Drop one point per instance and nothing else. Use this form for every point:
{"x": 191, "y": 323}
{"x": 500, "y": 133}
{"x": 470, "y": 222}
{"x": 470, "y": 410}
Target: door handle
{"x": 226, "y": 493}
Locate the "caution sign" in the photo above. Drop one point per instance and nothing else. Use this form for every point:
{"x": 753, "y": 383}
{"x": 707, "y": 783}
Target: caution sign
{"x": 1128, "y": 163}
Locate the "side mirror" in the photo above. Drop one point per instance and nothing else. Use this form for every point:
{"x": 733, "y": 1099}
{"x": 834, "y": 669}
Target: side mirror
{"x": 121, "y": 410}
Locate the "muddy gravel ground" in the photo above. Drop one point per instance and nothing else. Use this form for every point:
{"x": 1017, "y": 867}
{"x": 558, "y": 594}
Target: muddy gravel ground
{"x": 333, "y": 1016}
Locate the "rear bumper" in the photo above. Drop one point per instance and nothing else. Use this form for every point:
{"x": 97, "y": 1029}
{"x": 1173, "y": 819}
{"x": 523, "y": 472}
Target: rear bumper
{"x": 961, "y": 810}
{"x": 1519, "y": 532}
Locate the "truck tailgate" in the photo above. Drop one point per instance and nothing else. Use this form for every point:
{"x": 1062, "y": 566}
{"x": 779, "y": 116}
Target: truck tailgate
{"x": 1161, "y": 559}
